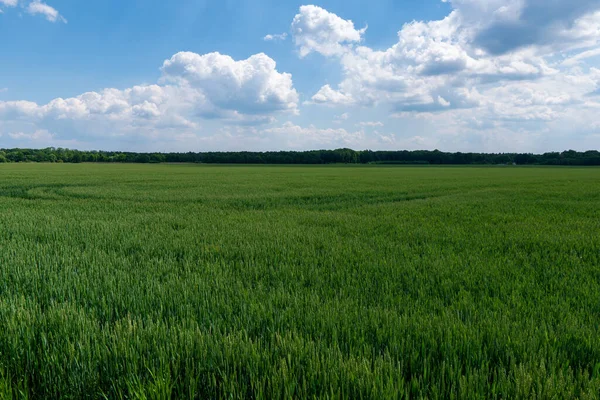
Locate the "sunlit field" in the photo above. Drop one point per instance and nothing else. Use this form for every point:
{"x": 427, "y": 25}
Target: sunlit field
{"x": 191, "y": 281}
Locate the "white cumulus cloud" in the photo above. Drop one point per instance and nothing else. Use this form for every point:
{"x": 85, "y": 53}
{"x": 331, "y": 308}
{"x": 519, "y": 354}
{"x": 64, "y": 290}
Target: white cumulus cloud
{"x": 251, "y": 86}
{"x": 495, "y": 75}
{"x": 434, "y": 66}
{"x": 488, "y": 66}
{"x": 316, "y": 30}
{"x": 193, "y": 88}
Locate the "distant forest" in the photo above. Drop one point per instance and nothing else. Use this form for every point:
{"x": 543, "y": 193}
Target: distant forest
{"x": 348, "y": 156}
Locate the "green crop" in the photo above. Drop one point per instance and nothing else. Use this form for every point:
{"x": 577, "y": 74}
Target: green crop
{"x": 187, "y": 281}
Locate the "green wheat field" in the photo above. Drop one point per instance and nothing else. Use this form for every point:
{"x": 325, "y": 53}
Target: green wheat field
{"x": 242, "y": 282}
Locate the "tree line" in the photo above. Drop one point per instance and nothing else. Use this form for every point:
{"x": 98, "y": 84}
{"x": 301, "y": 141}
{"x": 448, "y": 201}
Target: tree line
{"x": 349, "y": 156}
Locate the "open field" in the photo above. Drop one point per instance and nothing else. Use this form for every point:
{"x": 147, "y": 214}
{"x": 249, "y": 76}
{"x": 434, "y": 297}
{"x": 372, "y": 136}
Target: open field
{"x": 187, "y": 281}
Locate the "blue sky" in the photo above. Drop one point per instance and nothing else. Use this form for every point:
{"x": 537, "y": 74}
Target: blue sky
{"x": 457, "y": 75}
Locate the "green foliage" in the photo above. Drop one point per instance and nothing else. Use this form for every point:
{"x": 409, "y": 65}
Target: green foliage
{"x": 339, "y": 156}
{"x": 186, "y": 281}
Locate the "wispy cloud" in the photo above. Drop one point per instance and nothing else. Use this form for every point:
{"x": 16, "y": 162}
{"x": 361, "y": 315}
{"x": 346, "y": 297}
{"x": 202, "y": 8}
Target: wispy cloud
{"x": 581, "y": 56}
{"x": 275, "y": 37}
{"x": 9, "y": 3}
{"x": 338, "y": 119}
{"x": 371, "y": 123}
{"x": 38, "y": 7}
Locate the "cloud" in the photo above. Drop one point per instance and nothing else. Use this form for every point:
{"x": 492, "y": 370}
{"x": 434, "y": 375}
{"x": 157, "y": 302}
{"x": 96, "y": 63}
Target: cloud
{"x": 298, "y": 137}
{"x": 338, "y": 119}
{"x": 451, "y": 73}
{"x": 36, "y": 7}
{"x": 51, "y": 14}
{"x": 251, "y": 86}
{"x": 39, "y": 135}
{"x": 193, "y": 88}
{"x": 435, "y": 66}
{"x": 287, "y": 135}
{"x": 39, "y": 139}
{"x": 9, "y": 3}
{"x": 505, "y": 26}
{"x": 550, "y": 113}
{"x": 3, "y": 90}
{"x": 316, "y": 30}
{"x": 275, "y": 37}
{"x": 371, "y": 123}
{"x": 432, "y": 66}
{"x": 495, "y": 75}
{"x": 327, "y": 95}
{"x": 576, "y": 59}
{"x": 211, "y": 86}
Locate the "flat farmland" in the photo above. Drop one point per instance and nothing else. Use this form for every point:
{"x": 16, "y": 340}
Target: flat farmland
{"x": 194, "y": 281}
